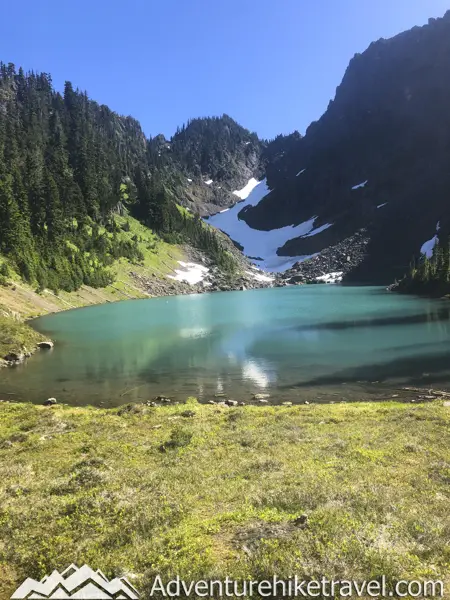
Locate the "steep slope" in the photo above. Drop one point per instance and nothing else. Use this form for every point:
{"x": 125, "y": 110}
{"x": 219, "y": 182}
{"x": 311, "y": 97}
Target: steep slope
{"x": 377, "y": 159}
{"x": 69, "y": 167}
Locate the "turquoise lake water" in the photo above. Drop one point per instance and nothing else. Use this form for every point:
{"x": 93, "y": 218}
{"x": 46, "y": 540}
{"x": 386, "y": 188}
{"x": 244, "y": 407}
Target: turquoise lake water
{"x": 316, "y": 343}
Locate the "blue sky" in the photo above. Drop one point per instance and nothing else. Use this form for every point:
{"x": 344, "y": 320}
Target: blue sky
{"x": 273, "y": 65}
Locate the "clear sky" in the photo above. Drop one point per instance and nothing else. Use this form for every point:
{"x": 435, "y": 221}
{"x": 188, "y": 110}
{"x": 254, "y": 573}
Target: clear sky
{"x": 273, "y": 65}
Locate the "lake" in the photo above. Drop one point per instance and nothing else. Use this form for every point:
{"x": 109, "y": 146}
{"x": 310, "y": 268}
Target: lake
{"x": 308, "y": 343}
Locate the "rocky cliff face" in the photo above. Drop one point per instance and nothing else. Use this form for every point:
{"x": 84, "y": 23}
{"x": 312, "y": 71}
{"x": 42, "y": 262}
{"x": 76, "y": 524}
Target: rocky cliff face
{"x": 377, "y": 159}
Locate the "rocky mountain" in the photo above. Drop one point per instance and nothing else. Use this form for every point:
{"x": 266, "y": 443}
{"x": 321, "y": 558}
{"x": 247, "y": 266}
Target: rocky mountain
{"x": 378, "y": 160}
{"x": 207, "y": 159}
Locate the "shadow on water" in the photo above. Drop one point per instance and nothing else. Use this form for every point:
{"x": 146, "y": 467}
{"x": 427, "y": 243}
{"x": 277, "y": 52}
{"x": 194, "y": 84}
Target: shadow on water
{"x": 415, "y": 370}
{"x": 441, "y": 315}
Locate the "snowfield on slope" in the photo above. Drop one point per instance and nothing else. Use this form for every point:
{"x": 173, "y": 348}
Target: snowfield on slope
{"x": 192, "y": 273}
{"x": 360, "y": 185}
{"x": 428, "y": 247}
{"x": 261, "y": 246}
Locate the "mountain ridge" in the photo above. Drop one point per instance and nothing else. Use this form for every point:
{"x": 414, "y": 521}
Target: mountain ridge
{"x": 388, "y": 125}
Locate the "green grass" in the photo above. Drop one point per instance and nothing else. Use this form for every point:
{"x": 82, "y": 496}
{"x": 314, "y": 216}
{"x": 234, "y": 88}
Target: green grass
{"x": 16, "y": 336}
{"x": 149, "y": 491}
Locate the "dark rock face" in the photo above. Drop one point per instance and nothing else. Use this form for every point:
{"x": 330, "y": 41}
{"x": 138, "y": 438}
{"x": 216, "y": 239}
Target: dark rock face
{"x": 389, "y": 125}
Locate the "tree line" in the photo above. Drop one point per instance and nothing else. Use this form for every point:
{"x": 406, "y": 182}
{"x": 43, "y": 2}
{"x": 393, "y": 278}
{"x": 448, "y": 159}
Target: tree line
{"x": 429, "y": 274}
{"x": 67, "y": 166}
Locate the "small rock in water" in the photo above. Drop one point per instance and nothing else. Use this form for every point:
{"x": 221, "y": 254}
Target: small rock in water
{"x": 241, "y": 403}
{"x": 50, "y": 402}
{"x": 261, "y": 396}
{"x": 287, "y": 403}
{"x": 231, "y": 402}
{"x": 48, "y": 345}
{"x": 162, "y": 399}
{"x": 211, "y": 402}
{"x": 306, "y": 402}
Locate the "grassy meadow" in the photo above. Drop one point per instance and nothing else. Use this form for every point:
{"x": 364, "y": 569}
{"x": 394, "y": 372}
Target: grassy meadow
{"x": 205, "y": 491}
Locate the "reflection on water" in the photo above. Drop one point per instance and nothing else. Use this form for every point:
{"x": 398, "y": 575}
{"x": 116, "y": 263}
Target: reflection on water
{"x": 311, "y": 342}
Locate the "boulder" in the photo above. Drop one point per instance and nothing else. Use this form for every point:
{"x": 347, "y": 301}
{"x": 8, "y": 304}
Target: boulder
{"x": 231, "y": 402}
{"x": 50, "y": 402}
{"x": 162, "y": 399}
{"x": 47, "y": 345}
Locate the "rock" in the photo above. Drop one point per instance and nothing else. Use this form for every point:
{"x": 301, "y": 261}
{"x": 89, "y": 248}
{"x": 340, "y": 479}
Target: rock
{"x": 261, "y": 396}
{"x": 188, "y": 413}
{"x": 48, "y": 345}
{"x": 301, "y": 521}
{"x": 241, "y": 403}
{"x": 211, "y": 402}
{"x": 287, "y": 403}
{"x": 50, "y": 402}
{"x": 15, "y": 357}
{"x": 162, "y": 399}
{"x": 263, "y": 401}
{"x": 231, "y": 402}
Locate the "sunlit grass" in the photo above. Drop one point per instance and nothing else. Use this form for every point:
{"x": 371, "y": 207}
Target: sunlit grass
{"x": 149, "y": 491}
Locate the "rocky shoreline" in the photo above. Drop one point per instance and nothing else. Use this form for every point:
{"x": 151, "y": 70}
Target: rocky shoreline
{"x": 12, "y": 359}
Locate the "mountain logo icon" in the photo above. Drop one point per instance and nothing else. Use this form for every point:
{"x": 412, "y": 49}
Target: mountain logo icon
{"x": 77, "y": 584}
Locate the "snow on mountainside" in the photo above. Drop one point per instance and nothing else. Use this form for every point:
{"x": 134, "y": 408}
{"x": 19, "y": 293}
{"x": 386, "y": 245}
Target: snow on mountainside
{"x": 376, "y": 160}
{"x": 261, "y": 246}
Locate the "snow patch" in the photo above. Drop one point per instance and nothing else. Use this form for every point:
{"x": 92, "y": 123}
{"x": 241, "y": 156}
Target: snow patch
{"x": 247, "y": 189}
{"x": 259, "y": 276}
{"x": 263, "y": 244}
{"x": 318, "y": 230}
{"x": 381, "y": 205}
{"x": 335, "y": 277}
{"x": 193, "y": 273}
{"x": 190, "y": 180}
{"x": 224, "y": 210}
{"x": 300, "y": 172}
{"x": 428, "y": 246}
{"x": 360, "y": 185}
{"x": 209, "y": 182}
